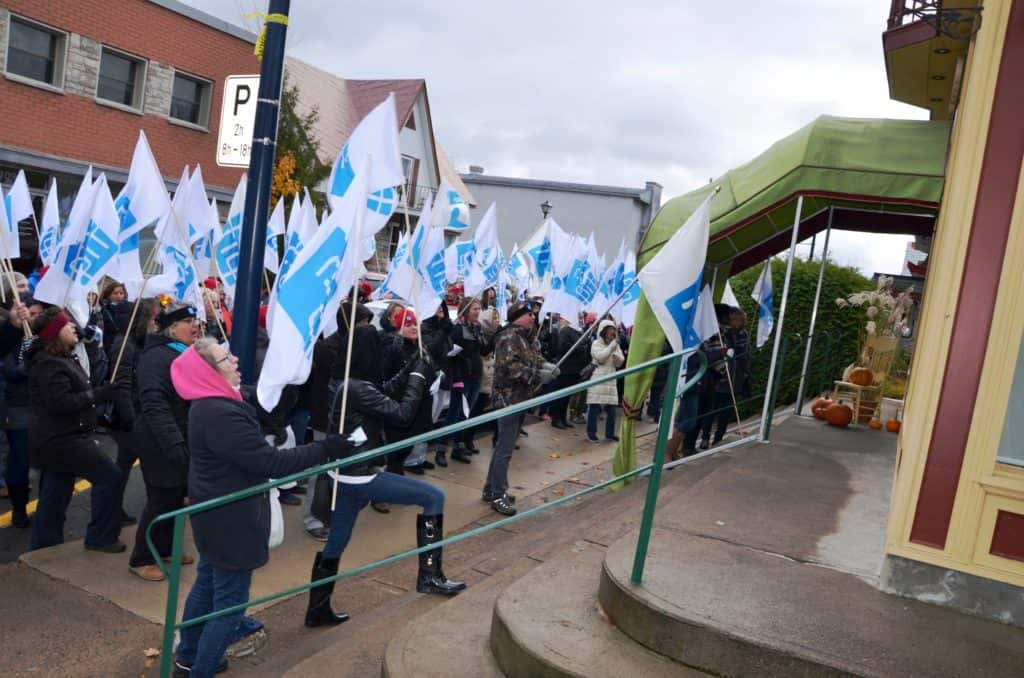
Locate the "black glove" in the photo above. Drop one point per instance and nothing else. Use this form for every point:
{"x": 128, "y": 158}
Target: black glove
{"x": 337, "y": 447}
{"x": 426, "y": 370}
{"x": 102, "y": 394}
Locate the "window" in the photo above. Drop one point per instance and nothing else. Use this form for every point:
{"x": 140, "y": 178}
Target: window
{"x": 36, "y": 52}
{"x": 411, "y": 122}
{"x": 190, "y": 100}
{"x": 122, "y": 79}
{"x": 1010, "y": 449}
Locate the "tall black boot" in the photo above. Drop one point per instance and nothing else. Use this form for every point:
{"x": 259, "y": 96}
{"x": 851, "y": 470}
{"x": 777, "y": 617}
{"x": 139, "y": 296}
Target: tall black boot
{"x": 431, "y": 579}
{"x": 319, "y": 612}
{"x": 19, "y": 500}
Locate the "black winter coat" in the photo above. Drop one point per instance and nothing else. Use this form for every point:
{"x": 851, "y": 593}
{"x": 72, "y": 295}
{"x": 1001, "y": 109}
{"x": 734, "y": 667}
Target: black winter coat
{"x": 469, "y": 364}
{"x": 229, "y": 453}
{"x": 125, "y": 395}
{"x": 61, "y": 431}
{"x": 580, "y": 356}
{"x": 370, "y": 409}
{"x": 162, "y": 428}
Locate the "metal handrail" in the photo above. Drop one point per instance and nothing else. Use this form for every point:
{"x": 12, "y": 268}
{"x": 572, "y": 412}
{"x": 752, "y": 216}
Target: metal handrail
{"x": 178, "y": 516}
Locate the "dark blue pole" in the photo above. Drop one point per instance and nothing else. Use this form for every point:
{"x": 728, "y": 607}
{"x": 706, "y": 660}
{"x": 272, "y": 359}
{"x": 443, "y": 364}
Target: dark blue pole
{"x": 257, "y": 194}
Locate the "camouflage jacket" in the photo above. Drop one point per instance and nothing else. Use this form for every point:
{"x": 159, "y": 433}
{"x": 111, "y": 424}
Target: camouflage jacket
{"x": 517, "y": 366}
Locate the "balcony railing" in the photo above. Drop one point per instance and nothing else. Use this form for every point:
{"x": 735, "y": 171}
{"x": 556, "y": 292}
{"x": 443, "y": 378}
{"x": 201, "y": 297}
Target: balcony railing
{"x": 417, "y": 196}
{"x": 959, "y": 23}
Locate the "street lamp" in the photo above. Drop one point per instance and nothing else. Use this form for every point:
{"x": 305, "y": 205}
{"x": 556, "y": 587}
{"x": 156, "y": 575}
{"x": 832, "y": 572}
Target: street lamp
{"x": 545, "y": 207}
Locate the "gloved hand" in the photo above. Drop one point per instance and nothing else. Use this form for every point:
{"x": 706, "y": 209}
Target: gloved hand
{"x": 337, "y": 446}
{"x": 425, "y": 370}
{"x": 103, "y": 393}
{"x": 548, "y": 373}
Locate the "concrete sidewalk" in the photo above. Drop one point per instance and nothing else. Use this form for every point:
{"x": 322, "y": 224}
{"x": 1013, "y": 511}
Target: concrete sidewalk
{"x": 545, "y": 458}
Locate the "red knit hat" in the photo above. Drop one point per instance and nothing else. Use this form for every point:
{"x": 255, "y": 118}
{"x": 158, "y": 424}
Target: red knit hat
{"x": 406, "y": 318}
{"x": 53, "y": 328}
{"x": 210, "y": 283}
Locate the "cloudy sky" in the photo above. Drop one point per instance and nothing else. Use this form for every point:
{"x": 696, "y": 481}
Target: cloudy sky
{"x": 613, "y": 92}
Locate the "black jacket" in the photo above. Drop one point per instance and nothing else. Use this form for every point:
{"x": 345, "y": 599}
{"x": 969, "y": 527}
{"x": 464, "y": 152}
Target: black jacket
{"x": 125, "y": 395}
{"x": 469, "y": 364}
{"x": 369, "y": 408}
{"x": 580, "y": 356}
{"x": 63, "y": 419}
{"x": 162, "y": 429}
{"x": 229, "y": 453}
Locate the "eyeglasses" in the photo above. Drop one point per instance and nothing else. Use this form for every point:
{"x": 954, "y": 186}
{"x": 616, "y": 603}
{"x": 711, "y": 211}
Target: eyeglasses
{"x": 229, "y": 356}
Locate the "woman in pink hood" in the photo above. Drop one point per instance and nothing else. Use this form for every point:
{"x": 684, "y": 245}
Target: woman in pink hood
{"x": 228, "y": 454}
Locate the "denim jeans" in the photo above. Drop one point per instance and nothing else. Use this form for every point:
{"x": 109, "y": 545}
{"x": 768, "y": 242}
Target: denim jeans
{"x": 593, "y": 412}
{"x": 455, "y": 413}
{"x": 720, "y": 410}
{"x": 202, "y": 646}
{"x": 688, "y": 419}
{"x": 55, "y": 491}
{"x": 497, "y": 472}
{"x": 16, "y": 471}
{"x": 387, "y": 487}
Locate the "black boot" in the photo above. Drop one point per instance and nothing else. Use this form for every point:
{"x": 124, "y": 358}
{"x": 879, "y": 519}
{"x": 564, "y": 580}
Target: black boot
{"x": 440, "y": 457}
{"x": 461, "y": 454}
{"x": 429, "y": 530}
{"x": 19, "y": 499}
{"x": 319, "y": 612}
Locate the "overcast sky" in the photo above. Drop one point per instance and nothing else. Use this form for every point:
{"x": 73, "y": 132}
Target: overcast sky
{"x": 613, "y": 92}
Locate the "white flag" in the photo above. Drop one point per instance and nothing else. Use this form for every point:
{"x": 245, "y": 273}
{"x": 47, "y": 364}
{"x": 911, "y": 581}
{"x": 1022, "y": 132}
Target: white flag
{"x": 457, "y": 258}
{"x": 228, "y": 249}
{"x": 17, "y": 206}
{"x": 729, "y": 297}
{"x": 312, "y": 290}
{"x": 762, "y": 294}
{"x": 141, "y": 202}
{"x": 430, "y": 274}
{"x": 376, "y": 138}
{"x": 672, "y": 279}
{"x": 275, "y": 227}
{"x": 563, "y": 256}
{"x": 627, "y": 307}
{"x": 399, "y": 275}
{"x": 538, "y": 253}
{"x": 55, "y": 286}
{"x": 483, "y": 272}
{"x": 450, "y": 211}
{"x": 705, "y": 324}
{"x": 49, "y": 228}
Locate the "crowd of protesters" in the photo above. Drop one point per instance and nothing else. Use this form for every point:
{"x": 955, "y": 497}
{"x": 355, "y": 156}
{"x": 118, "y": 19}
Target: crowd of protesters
{"x": 166, "y": 389}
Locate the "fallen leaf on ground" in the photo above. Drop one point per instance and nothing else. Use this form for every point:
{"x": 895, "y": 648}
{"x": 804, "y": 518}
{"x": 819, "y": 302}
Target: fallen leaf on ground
{"x": 555, "y": 455}
{"x": 151, "y": 652}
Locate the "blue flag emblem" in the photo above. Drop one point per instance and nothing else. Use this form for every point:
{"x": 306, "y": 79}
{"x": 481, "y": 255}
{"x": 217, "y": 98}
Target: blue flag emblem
{"x": 185, "y": 278}
{"x": 305, "y": 294}
{"x": 683, "y": 308}
{"x": 455, "y": 219}
{"x": 541, "y": 255}
{"x": 86, "y": 259}
{"x": 228, "y": 250}
{"x": 382, "y": 201}
{"x": 343, "y": 174}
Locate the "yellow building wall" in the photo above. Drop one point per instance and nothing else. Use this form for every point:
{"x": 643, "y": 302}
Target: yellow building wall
{"x": 985, "y": 486}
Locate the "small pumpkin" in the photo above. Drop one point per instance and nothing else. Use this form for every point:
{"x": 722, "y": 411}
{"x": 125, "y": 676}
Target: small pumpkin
{"x": 875, "y": 424}
{"x": 892, "y": 426}
{"x": 819, "y": 406}
{"x": 862, "y": 376}
{"x": 839, "y": 414}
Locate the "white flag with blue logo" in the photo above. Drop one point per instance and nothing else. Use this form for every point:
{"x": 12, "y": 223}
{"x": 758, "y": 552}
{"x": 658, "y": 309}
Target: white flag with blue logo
{"x": 88, "y": 251}
{"x": 625, "y": 310}
{"x": 538, "y": 252}
{"x": 376, "y": 137}
{"x": 17, "y": 206}
{"x": 564, "y": 249}
{"x": 74, "y": 229}
{"x": 762, "y": 294}
{"x": 202, "y": 222}
{"x": 457, "y": 258}
{"x": 430, "y": 273}
{"x": 226, "y": 254}
{"x": 705, "y": 323}
{"x": 608, "y": 290}
{"x": 672, "y": 279}
{"x": 399, "y": 275}
{"x": 451, "y": 212}
{"x": 179, "y": 278}
{"x": 729, "y": 297}
{"x": 142, "y": 201}
{"x": 275, "y": 227}
{"x": 484, "y": 270}
{"x": 312, "y": 290}
{"x": 49, "y": 227}
{"x": 517, "y": 271}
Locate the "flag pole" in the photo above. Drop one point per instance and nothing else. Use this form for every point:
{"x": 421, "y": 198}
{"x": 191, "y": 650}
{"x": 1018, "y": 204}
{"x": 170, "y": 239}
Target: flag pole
{"x": 732, "y": 390}
{"x": 9, "y": 270}
{"x": 344, "y": 385}
{"x": 257, "y": 196}
{"x": 415, "y": 269}
{"x": 814, "y": 317}
{"x": 766, "y": 412}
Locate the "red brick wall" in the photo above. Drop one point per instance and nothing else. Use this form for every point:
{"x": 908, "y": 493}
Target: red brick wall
{"x": 76, "y": 127}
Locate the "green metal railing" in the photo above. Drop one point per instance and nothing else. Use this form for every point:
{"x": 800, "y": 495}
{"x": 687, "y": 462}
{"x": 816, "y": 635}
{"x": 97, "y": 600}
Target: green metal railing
{"x": 173, "y": 574}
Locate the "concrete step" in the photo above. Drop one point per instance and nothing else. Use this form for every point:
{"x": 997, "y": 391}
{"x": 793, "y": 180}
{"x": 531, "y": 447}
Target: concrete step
{"x": 548, "y": 625}
{"x": 734, "y": 610}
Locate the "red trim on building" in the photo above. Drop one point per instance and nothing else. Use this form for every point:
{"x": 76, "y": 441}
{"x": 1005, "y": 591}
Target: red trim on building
{"x": 983, "y": 264}
{"x": 1008, "y": 536}
{"x": 910, "y": 34}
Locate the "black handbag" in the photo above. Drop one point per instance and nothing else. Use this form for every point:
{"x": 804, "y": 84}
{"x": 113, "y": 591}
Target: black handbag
{"x": 587, "y": 372}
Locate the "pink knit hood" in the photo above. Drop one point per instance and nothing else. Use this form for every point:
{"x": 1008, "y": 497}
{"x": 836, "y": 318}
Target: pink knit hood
{"x": 193, "y": 378}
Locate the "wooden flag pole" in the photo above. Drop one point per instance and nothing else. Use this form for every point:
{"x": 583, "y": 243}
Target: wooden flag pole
{"x": 344, "y": 385}
{"x": 135, "y": 310}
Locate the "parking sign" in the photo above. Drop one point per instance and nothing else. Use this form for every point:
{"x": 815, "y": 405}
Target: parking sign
{"x": 237, "y": 120}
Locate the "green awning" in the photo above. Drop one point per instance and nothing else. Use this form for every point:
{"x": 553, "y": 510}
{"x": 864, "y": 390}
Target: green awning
{"x": 882, "y": 176}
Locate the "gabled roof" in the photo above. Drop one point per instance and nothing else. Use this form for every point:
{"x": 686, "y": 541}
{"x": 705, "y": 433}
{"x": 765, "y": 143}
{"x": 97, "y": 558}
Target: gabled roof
{"x": 368, "y": 93}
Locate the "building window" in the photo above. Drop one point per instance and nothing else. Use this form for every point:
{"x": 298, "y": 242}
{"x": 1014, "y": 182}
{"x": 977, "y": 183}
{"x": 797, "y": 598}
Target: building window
{"x": 122, "y": 79}
{"x": 36, "y": 52}
{"x": 190, "y": 100}
{"x": 411, "y": 122}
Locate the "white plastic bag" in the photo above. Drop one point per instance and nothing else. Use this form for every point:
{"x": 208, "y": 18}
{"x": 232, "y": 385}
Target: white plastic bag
{"x": 276, "y": 519}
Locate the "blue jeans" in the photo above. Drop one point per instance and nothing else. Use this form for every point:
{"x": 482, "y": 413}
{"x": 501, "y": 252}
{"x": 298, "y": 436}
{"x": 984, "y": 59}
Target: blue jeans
{"x": 593, "y": 412}
{"x": 455, "y": 414}
{"x": 16, "y": 472}
{"x": 387, "y": 487}
{"x": 299, "y": 423}
{"x": 202, "y": 646}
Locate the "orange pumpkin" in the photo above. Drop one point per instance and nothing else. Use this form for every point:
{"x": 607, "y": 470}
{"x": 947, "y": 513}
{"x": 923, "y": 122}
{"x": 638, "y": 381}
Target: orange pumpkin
{"x": 892, "y": 426}
{"x": 819, "y": 406}
{"x": 875, "y": 424}
{"x": 839, "y": 414}
{"x": 862, "y": 376}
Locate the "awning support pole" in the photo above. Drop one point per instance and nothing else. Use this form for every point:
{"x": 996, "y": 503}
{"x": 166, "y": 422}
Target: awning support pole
{"x": 714, "y": 281}
{"x": 766, "y": 414}
{"x": 814, "y": 318}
